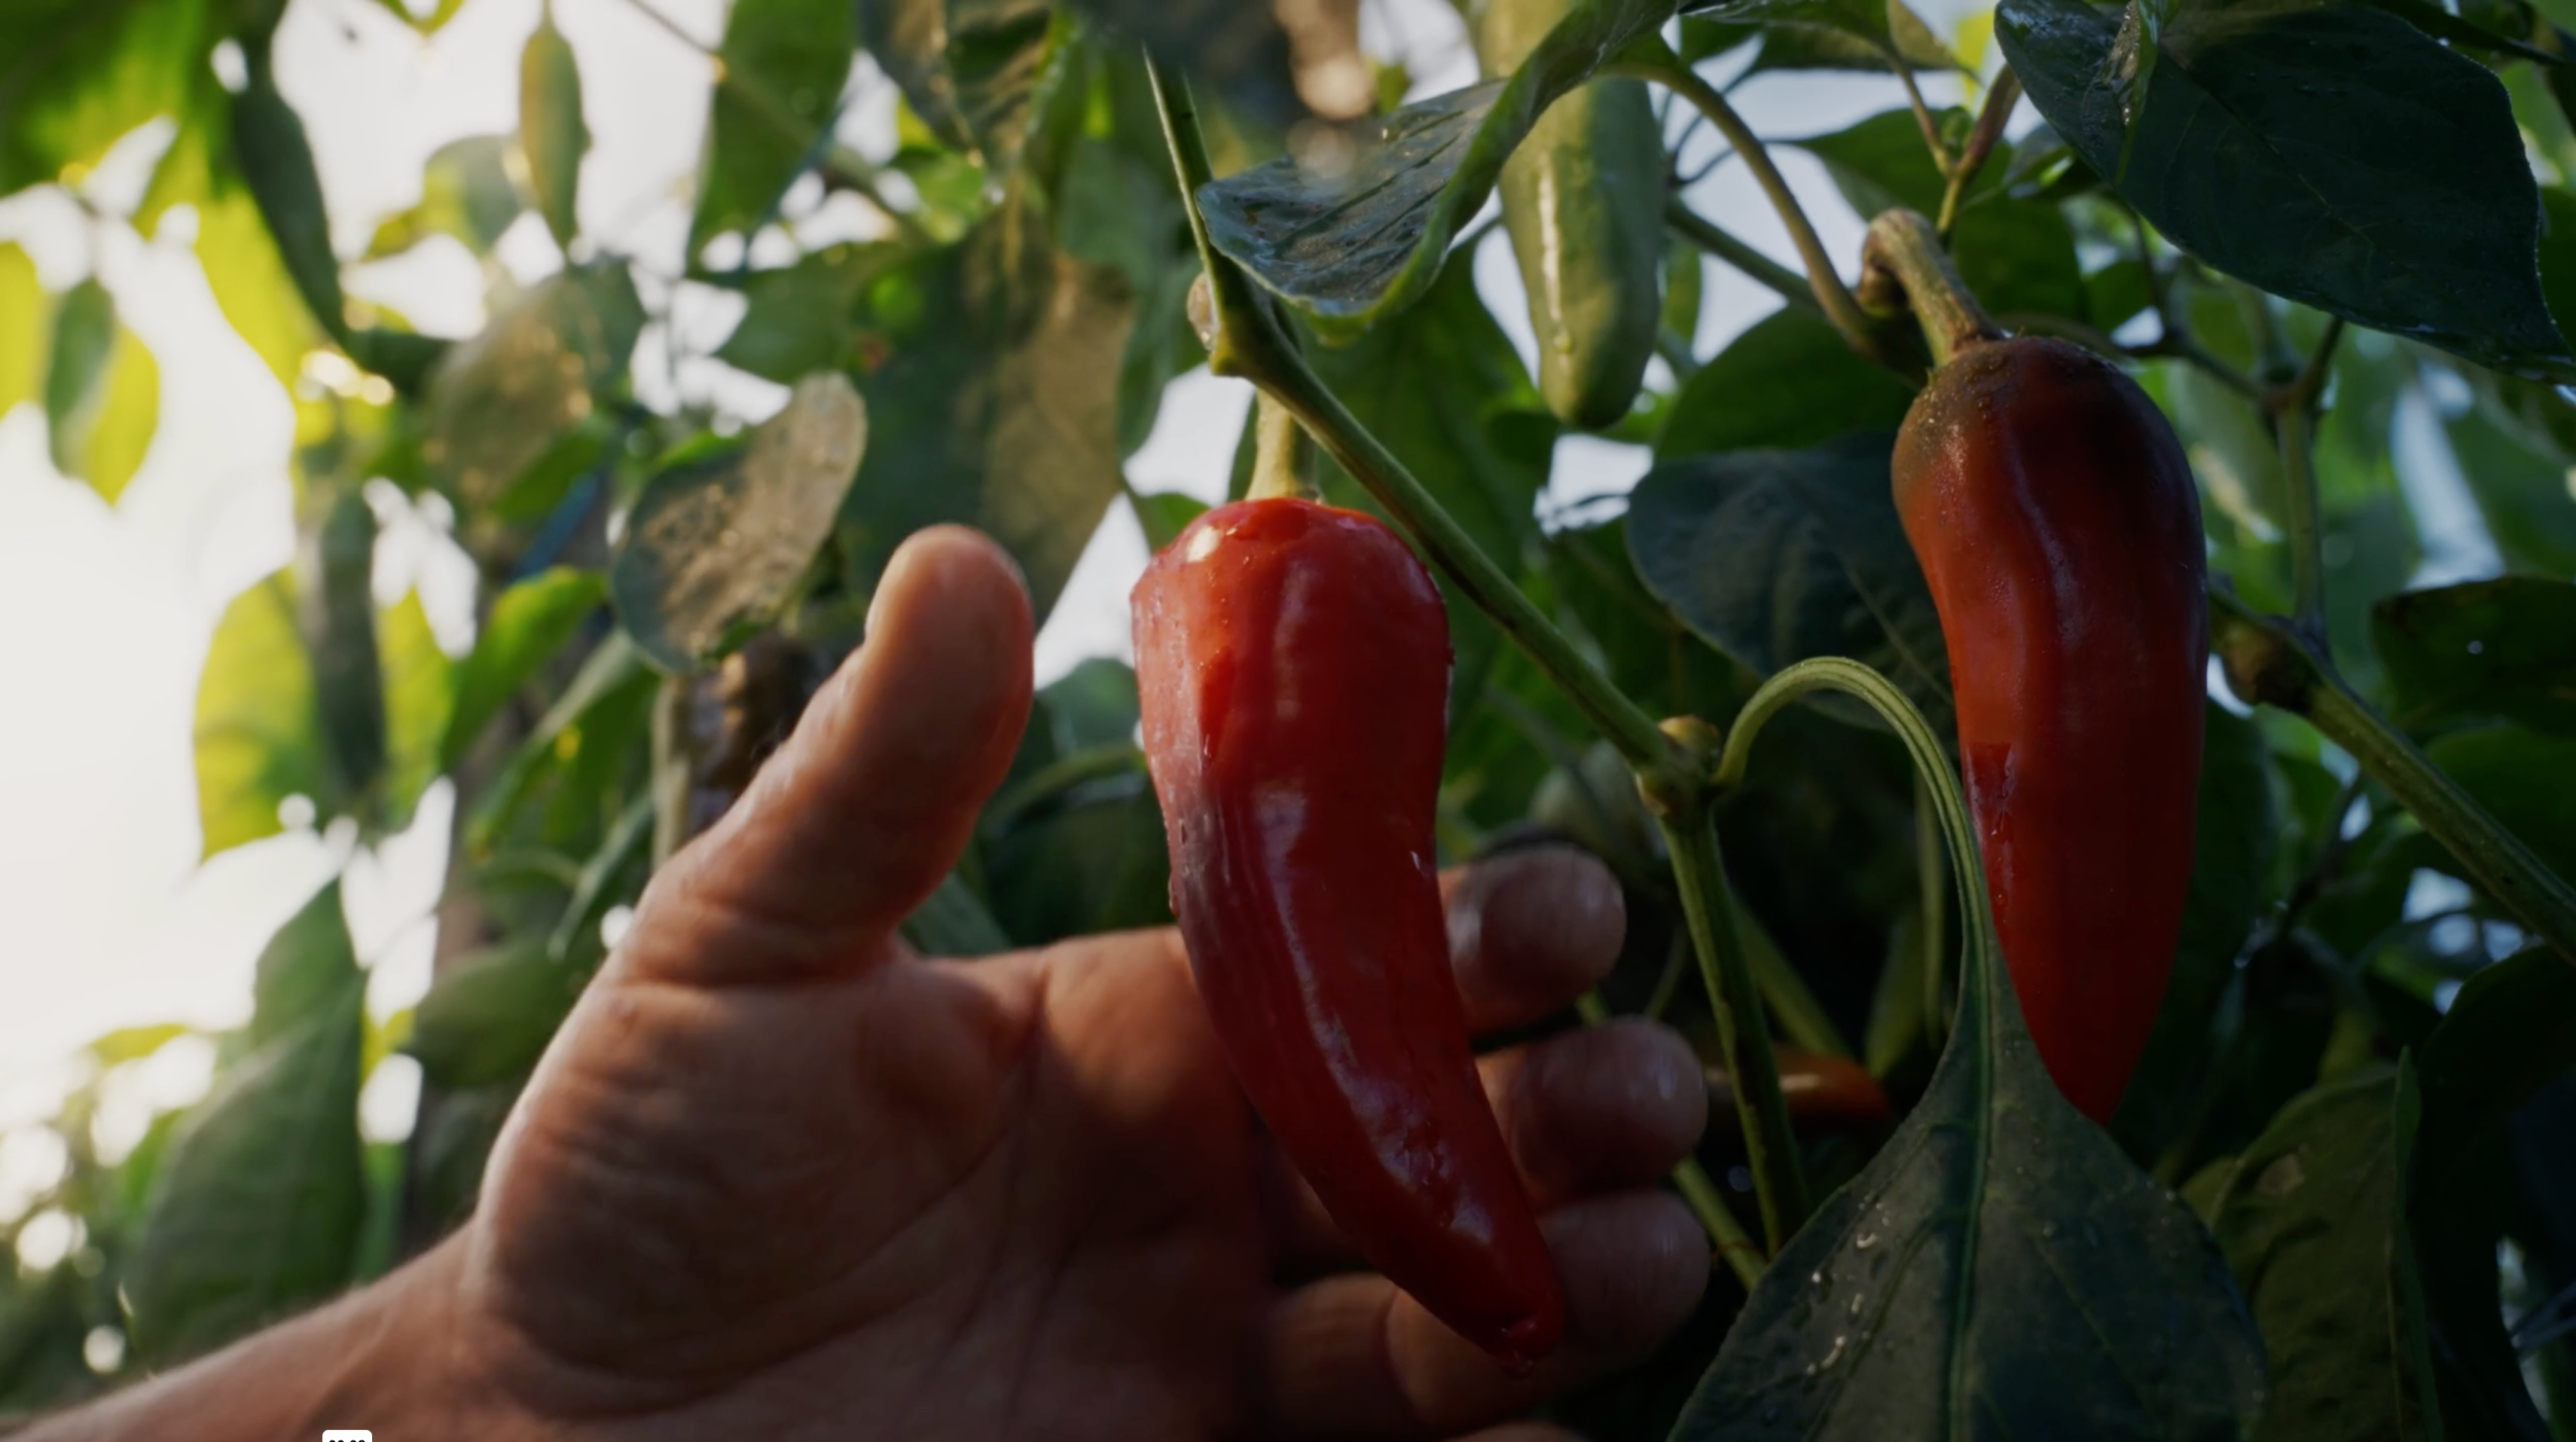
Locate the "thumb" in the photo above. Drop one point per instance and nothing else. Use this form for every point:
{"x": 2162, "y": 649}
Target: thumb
{"x": 869, "y": 804}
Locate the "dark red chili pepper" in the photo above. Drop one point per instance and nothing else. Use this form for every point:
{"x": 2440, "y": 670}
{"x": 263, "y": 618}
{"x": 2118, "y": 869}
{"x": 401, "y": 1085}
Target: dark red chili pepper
{"x": 2057, "y": 522}
{"x": 1294, "y": 664}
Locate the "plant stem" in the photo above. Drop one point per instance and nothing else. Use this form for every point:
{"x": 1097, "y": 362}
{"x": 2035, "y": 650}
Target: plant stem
{"x": 2000, "y": 99}
{"x": 1723, "y": 1229}
{"x": 1279, "y": 469}
{"x": 1942, "y": 159}
{"x": 1743, "y": 1037}
{"x": 1699, "y": 1193}
{"x": 2294, "y": 408}
{"x": 2307, "y": 532}
{"x": 1932, "y": 875}
{"x": 2272, "y": 662}
{"x": 1704, "y": 233}
{"x": 1657, "y": 63}
{"x": 1903, "y": 260}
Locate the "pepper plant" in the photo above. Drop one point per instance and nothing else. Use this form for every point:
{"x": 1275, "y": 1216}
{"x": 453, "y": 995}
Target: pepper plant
{"x": 2337, "y": 1198}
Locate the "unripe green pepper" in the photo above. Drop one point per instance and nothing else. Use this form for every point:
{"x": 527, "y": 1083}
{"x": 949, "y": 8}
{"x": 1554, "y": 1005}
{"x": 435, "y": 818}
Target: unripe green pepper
{"x": 1583, "y": 198}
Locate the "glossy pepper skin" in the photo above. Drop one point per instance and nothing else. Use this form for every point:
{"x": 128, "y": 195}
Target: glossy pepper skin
{"x": 1294, "y": 662}
{"x": 2057, "y": 522}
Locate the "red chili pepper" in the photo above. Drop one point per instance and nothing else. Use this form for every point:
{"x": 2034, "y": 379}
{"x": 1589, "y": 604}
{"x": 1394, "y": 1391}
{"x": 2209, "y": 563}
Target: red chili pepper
{"x": 1294, "y": 665}
{"x": 2057, "y": 522}
{"x": 1824, "y": 1093}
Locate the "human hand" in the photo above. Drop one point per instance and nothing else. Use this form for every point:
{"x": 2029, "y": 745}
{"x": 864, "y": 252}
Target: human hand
{"x": 779, "y": 1178}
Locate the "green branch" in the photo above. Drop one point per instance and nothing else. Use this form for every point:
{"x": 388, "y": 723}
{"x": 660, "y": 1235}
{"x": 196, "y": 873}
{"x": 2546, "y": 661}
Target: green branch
{"x": 2272, "y": 662}
{"x": 1704, "y": 233}
{"x": 1653, "y": 60}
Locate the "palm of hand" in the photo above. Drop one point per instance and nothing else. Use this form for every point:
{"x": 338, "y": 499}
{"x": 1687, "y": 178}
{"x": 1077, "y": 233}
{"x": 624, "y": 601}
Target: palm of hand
{"x": 776, "y": 1179}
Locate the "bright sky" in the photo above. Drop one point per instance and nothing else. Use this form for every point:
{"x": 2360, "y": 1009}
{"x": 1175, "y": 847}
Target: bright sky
{"x": 106, "y": 919}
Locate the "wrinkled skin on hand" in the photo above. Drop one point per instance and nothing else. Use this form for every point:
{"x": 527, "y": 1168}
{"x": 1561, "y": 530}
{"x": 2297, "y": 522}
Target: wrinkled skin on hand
{"x": 779, "y": 1177}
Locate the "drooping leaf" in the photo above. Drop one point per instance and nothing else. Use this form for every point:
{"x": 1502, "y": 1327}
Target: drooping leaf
{"x": 552, "y": 135}
{"x": 259, "y": 1203}
{"x": 420, "y": 695}
{"x": 784, "y": 63}
{"x": 2504, "y": 648}
{"x": 1789, "y": 382}
{"x": 490, "y": 1017}
{"x": 1998, "y": 1270}
{"x": 2313, "y": 1220}
{"x": 256, "y": 739}
{"x": 1775, "y": 556}
{"x": 275, "y": 160}
{"x": 84, "y": 335}
{"x": 713, "y": 547}
{"x": 529, "y": 624}
{"x": 499, "y": 402}
{"x": 1351, "y": 247}
{"x": 997, "y": 405}
{"x": 2334, "y": 155}
{"x": 466, "y": 193}
{"x": 304, "y": 970}
{"x": 102, "y": 401}
{"x": 339, "y": 623}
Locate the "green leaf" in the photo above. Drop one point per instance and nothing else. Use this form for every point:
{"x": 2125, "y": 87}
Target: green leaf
{"x": 2312, "y": 1217}
{"x": 2504, "y": 649}
{"x": 1775, "y": 556}
{"x": 712, "y": 548}
{"x": 1164, "y": 514}
{"x": 2518, "y": 776}
{"x": 489, "y": 1019}
{"x": 242, "y": 264}
{"x": 1089, "y": 858}
{"x": 971, "y": 68}
{"x": 276, "y": 162}
{"x": 76, "y": 369}
{"x": 552, "y": 135}
{"x": 997, "y": 405}
{"x": 784, "y": 63}
{"x": 1354, "y": 246}
{"x": 804, "y": 317}
{"x": 613, "y": 678}
{"x": 465, "y": 193}
{"x": 1790, "y": 382}
{"x": 256, "y": 739}
{"x": 2236, "y": 837}
{"x": 339, "y": 622}
{"x": 420, "y": 696}
{"x": 2336, "y": 156}
{"x": 77, "y": 78}
{"x": 260, "y": 1201}
{"x": 22, "y": 331}
{"x": 953, "y": 921}
{"x": 529, "y": 624}
{"x": 305, "y": 971}
{"x": 102, "y": 403}
{"x": 1826, "y": 34}
{"x": 499, "y": 402}
{"x": 2509, "y": 1032}
{"x": 2520, "y": 486}
{"x": 1236, "y": 49}
{"x": 1998, "y": 1270}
